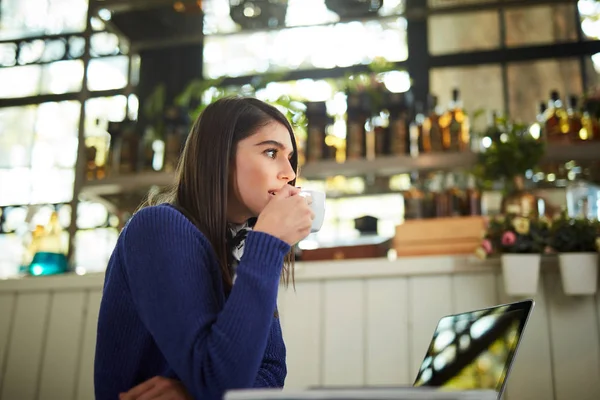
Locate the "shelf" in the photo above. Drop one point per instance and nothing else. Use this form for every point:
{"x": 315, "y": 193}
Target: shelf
{"x": 128, "y": 183}
{"x": 389, "y": 165}
{"x": 383, "y": 166}
{"x": 578, "y": 152}
{"x": 319, "y": 170}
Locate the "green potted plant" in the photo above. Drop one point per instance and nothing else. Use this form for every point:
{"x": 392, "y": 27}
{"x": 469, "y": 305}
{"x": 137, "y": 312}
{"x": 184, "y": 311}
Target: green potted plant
{"x": 576, "y": 242}
{"x": 512, "y": 152}
{"x": 519, "y": 242}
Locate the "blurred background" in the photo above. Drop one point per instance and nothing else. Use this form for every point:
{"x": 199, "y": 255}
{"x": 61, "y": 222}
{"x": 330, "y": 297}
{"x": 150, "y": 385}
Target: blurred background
{"x": 422, "y": 120}
{"x": 97, "y": 99}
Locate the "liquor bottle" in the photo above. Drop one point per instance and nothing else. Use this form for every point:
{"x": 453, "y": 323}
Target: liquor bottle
{"x": 381, "y": 130}
{"x": 124, "y": 144}
{"x": 357, "y": 117}
{"x": 541, "y": 121}
{"x": 378, "y": 126}
{"x": 590, "y": 127}
{"x": 429, "y": 205}
{"x": 431, "y": 125}
{"x": 316, "y": 131}
{"x": 399, "y": 124}
{"x": 557, "y": 123}
{"x": 552, "y": 121}
{"x": 420, "y": 142}
{"x": 473, "y": 197}
{"x": 460, "y": 127}
{"x": 493, "y": 130}
{"x": 440, "y": 197}
{"x": 574, "y": 118}
{"x": 455, "y": 125}
{"x": 97, "y": 145}
{"x": 414, "y": 200}
{"x": 455, "y": 197}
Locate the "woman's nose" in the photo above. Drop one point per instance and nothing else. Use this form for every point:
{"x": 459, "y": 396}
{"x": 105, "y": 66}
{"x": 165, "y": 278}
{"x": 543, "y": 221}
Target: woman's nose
{"x": 287, "y": 173}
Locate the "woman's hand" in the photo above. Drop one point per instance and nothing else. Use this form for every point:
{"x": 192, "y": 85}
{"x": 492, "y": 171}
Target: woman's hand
{"x": 287, "y": 216}
{"x": 157, "y": 388}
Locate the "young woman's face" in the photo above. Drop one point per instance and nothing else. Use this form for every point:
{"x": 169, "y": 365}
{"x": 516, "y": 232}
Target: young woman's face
{"x": 262, "y": 167}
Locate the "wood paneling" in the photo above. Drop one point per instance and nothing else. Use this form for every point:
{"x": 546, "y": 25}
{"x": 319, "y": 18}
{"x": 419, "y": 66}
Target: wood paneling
{"x": 302, "y": 325}
{"x": 343, "y": 359}
{"x": 430, "y": 298}
{"x": 84, "y": 389}
{"x": 62, "y": 344}
{"x": 26, "y": 346}
{"x": 372, "y": 329}
{"x": 575, "y": 348}
{"x": 386, "y": 329}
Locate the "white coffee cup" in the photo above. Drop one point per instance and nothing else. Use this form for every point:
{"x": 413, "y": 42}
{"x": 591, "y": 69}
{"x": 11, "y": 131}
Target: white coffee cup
{"x": 318, "y": 207}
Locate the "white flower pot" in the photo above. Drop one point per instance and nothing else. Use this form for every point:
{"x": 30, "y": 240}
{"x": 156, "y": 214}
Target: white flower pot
{"x": 521, "y": 273}
{"x": 579, "y": 273}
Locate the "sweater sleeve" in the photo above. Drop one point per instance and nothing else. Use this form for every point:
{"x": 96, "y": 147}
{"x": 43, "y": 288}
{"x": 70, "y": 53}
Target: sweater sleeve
{"x": 273, "y": 368}
{"x": 210, "y": 349}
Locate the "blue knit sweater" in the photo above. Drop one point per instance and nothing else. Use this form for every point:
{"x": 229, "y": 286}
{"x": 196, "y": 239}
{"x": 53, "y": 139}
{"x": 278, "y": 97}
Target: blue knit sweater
{"x": 164, "y": 311}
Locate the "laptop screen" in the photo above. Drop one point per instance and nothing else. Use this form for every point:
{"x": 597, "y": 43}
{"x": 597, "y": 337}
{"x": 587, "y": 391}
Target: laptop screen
{"x": 474, "y": 350}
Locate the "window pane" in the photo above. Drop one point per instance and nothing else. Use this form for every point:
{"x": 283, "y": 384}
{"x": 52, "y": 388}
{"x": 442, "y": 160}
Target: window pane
{"x": 36, "y": 186}
{"x": 480, "y": 87}
{"x": 91, "y": 215}
{"x": 16, "y": 186}
{"x": 52, "y": 186}
{"x": 76, "y": 46}
{"x": 592, "y": 70}
{"x": 20, "y": 81}
{"x": 11, "y": 254}
{"x": 21, "y": 18}
{"x": 530, "y": 83}
{"x": 104, "y": 44}
{"x": 39, "y": 51}
{"x": 16, "y": 136}
{"x": 540, "y": 25}
{"x": 56, "y": 129}
{"x": 105, "y": 108}
{"x": 93, "y": 249}
{"x": 299, "y": 13}
{"x": 62, "y": 77}
{"x": 55, "y": 50}
{"x": 324, "y": 47}
{"x": 589, "y": 12}
{"x": 8, "y": 54}
{"x": 454, "y": 33}
{"x": 108, "y": 73}
{"x": 30, "y": 52}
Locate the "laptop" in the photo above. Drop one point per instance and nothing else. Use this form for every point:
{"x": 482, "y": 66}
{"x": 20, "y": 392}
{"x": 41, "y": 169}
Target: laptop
{"x": 469, "y": 357}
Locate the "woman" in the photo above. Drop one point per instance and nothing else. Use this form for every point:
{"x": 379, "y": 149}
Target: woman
{"x": 170, "y": 307}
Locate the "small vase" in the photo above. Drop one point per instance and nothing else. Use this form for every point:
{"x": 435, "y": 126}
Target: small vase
{"x": 521, "y": 273}
{"x": 579, "y": 273}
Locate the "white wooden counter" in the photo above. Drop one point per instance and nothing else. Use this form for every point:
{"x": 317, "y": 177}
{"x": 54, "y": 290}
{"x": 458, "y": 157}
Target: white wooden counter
{"x": 347, "y": 323}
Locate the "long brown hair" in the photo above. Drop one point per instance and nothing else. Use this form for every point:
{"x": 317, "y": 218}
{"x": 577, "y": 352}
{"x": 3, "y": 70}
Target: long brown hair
{"x": 202, "y": 176}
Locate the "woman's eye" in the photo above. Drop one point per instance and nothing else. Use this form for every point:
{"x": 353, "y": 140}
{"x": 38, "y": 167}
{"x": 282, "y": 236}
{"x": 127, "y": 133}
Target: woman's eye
{"x": 271, "y": 153}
